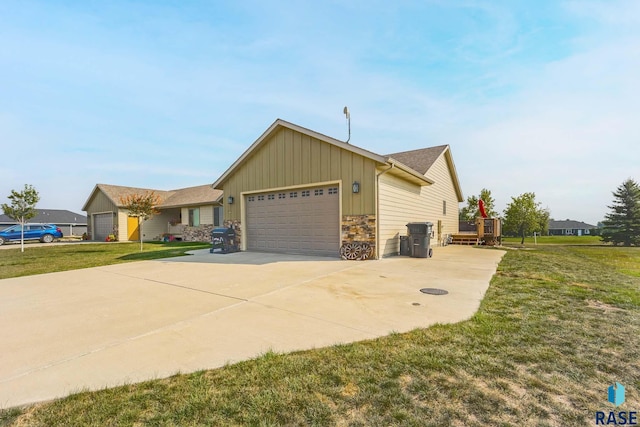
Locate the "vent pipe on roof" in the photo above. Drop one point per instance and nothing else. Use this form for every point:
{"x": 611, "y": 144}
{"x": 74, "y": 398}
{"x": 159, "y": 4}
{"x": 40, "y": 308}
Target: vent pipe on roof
{"x": 348, "y": 116}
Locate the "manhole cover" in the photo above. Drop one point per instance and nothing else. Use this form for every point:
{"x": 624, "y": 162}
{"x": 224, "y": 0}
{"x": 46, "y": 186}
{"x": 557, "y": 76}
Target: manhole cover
{"x": 433, "y": 291}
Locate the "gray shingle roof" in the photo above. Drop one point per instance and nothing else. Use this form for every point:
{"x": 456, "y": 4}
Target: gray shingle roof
{"x": 118, "y": 192}
{"x": 199, "y": 195}
{"x": 51, "y": 216}
{"x": 419, "y": 160}
{"x": 202, "y": 194}
{"x": 569, "y": 225}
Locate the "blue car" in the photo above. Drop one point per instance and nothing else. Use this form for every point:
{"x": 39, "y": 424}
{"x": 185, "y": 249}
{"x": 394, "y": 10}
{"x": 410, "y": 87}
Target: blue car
{"x": 46, "y": 233}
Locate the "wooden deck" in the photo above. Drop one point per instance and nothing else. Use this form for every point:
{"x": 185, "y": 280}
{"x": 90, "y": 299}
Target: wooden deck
{"x": 465, "y": 239}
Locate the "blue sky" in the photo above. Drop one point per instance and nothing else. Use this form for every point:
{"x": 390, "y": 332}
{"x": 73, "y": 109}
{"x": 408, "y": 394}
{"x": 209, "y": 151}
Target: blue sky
{"x": 537, "y": 96}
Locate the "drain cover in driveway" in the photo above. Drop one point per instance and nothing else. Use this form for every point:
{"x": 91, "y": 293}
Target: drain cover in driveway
{"x": 433, "y": 291}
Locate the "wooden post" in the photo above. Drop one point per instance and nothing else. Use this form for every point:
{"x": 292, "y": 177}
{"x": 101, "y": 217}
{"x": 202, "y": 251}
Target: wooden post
{"x": 480, "y": 227}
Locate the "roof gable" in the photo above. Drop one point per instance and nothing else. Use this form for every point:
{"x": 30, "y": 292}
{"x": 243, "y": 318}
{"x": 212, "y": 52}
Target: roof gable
{"x": 117, "y": 192}
{"x": 423, "y": 159}
{"x": 420, "y": 160}
{"x": 408, "y": 172}
{"x": 199, "y": 195}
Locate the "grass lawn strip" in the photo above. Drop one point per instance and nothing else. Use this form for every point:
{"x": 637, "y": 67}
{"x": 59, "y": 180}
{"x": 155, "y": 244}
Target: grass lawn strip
{"x": 554, "y": 240}
{"x": 558, "y": 325}
{"x": 39, "y": 260}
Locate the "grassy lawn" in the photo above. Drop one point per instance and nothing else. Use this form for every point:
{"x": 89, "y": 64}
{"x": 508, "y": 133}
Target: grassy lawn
{"x": 558, "y": 325}
{"x": 554, "y": 240}
{"x": 72, "y": 256}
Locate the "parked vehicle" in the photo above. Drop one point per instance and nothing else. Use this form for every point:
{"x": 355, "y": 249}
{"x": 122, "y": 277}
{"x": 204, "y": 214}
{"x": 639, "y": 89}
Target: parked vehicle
{"x": 46, "y": 233}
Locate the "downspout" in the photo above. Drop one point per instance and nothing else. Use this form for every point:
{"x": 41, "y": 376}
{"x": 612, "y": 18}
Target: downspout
{"x": 378, "y": 208}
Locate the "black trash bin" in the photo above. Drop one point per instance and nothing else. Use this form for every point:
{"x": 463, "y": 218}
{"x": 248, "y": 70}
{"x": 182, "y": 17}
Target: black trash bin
{"x": 420, "y": 239}
{"x": 404, "y": 246}
{"x": 223, "y": 240}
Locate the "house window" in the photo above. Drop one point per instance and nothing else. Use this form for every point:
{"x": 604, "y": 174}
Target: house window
{"x": 333, "y": 190}
{"x": 217, "y": 216}
{"x": 251, "y": 198}
{"x": 194, "y": 217}
{"x": 444, "y": 207}
{"x": 305, "y": 193}
{"x": 260, "y": 198}
{"x": 271, "y": 196}
{"x": 293, "y": 194}
{"x": 282, "y": 195}
{"x": 318, "y": 192}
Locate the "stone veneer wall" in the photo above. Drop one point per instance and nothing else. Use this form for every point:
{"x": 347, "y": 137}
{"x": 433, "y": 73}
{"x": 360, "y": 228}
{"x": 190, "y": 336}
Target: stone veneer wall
{"x": 201, "y": 233}
{"x": 359, "y": 228}
{"x": 235, "y": 224}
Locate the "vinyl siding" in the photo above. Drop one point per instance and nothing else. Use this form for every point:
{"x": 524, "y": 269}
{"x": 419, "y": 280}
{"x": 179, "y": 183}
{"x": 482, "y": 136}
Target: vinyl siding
{"x": 401, "y": 202}
{"x": 442, "y": 189}
{"x": 121, "y": 224}
{"x": 100, "y": 203}
{"x": 152, "y": 229}
{"x": 206, "y": 214}
{"x": 290, "y": 158}
{"x": 157, "y": 225}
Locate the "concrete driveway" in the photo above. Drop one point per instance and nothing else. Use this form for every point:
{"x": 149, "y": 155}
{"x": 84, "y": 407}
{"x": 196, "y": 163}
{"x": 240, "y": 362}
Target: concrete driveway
{"x": 105, "y": 326}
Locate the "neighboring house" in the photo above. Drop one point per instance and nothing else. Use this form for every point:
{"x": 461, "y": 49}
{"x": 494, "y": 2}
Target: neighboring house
{"x": 298, "y": 191}
{"x": 187, "y": 213}
{"x": 71, "y": 224}
{"x": 569, "y": 228}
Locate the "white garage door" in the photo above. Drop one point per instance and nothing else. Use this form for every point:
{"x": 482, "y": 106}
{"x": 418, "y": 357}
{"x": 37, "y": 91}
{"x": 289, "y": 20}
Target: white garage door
{"x": 298, "y": 221}
{"x": 103, "y": 226}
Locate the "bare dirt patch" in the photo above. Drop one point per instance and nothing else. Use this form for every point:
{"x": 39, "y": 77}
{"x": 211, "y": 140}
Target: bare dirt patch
{"x": 599, "y": 305}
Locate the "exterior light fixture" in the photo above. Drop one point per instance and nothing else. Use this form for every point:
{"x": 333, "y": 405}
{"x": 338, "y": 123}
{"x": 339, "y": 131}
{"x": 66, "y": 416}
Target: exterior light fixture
{"x": 356, "y": 187}
{"x": 230, "y": 200}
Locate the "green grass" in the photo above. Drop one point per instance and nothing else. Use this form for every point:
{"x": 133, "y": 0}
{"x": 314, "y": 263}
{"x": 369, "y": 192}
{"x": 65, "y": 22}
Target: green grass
{"x": 72, "y": 256}
{"x": 557, "y": 326}
{"x": 554, "y": 240}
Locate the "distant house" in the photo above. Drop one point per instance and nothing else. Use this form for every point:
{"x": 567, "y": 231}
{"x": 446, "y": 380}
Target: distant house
{"x": 186, "y": 213}
{"x": 71, "y": 223}
{"x": 569, "y": 228}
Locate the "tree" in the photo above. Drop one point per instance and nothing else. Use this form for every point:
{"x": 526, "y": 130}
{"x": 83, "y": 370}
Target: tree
{"x": 622, "y": 224}
{"x": 142, "y": 206}
{"x": 524, "y": 216}
{"x": 22, "y": 208}
{"x": 471, "y": 211}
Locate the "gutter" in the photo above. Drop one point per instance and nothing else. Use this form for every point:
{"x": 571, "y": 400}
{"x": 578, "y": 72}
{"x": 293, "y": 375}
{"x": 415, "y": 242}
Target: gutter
{"x": 378, "y": 207}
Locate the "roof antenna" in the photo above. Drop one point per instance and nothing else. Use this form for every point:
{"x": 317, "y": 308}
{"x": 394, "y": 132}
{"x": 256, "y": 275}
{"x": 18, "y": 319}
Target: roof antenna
{"x": 348, "y": 116}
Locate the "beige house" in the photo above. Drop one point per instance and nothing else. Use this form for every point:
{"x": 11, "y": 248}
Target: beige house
{"x": 187, "y": 213}
{"x": 298, "y": 191}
